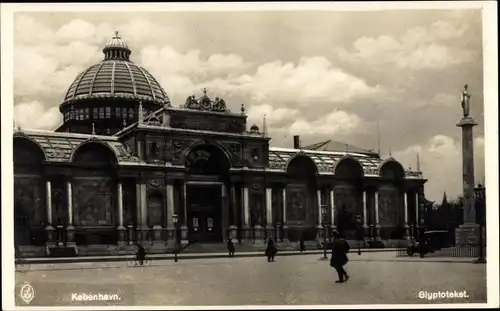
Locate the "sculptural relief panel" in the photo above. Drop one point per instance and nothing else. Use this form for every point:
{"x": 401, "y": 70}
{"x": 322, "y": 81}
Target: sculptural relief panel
{"x": 29, "y": 201}
{"x": 298, "y": 203}
{"x": 257, "y": 209}
{"x": 176, "y": 148}
{"x": 235, "y": 151}
{"x": 155, "y": 209}
{"x": 390, "y": 206}
{"x": 129, "y": 203}
{"x": 347, "y": 205}
{"x": 93, "y": 202}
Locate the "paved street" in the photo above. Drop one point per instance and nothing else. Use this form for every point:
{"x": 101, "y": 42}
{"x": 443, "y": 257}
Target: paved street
{"x": 376, "y": 278}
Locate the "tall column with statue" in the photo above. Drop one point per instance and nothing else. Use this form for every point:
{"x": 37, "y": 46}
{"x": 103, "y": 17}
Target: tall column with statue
{"x": 467, "y": 233}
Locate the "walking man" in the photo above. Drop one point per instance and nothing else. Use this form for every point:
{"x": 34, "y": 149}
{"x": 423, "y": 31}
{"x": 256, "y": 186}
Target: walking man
{"x": 339, "y": 259}
{"x": 271, "y": 250}
{"x": 302, "y": 243}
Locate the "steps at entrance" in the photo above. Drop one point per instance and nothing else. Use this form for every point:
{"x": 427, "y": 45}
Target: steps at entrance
{"x": 247, "y": 247}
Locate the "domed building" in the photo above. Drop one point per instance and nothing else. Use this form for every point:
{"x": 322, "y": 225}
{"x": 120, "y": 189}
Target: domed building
{"x": 127, "y": 167}
{"x": 107, "y": 94}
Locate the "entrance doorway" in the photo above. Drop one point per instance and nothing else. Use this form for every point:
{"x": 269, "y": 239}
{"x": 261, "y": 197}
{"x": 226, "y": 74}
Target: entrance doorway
{"x": 204, "y": 212}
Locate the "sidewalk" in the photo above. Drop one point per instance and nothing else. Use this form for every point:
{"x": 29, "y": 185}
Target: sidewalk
{"x": 183, "y": 256}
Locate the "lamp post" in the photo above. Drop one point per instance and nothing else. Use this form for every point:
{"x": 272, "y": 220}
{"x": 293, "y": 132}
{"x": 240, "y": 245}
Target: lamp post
{"x": 360, "y": 233}
{"x": 480, "y": 198}
{"x": 175, "y": 219}
{"x": 324, "y": 224}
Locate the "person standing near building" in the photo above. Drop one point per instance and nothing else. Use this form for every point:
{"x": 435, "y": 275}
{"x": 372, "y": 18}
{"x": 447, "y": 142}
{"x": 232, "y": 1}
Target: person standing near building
{"x": 302, "y": 243}
{"x": 339, "y": 259}
{"x": 271, "y": 250}
{"x": 230, "y": 248}
{"x": 140, "y": 255}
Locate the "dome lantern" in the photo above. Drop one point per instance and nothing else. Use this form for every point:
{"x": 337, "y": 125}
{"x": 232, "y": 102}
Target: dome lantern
{"x": 117, "y": 48}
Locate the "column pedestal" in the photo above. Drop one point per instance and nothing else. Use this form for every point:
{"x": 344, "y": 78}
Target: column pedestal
{"x": 233, "y": 233}
{"x": 270, "y": 232}
{"x": 467, "y": 234}
{"x": 407, "y": 232}
{"x": 143, "y": 235}
{"x": 122, "y": 235}
{"x": 366, "y": 231}
{"x": 157, "y": 235}
{"x": 377, "y": 233}
{"x": 70, "y": 236}
{"x": 184, "y": 235}
{"x": 51, "y": 236}
{"x": 258, "y": 233}
{"x": 320, "y": 232}
{"x": 278, "y": 236}
{"x": 285, "y": 233}
{"x": 131, "y": 239}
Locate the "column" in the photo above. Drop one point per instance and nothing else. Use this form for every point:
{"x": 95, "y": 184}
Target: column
{"x": 332, "y": 209}
{"x": 406, "y": 203}
{"x": 283, "y": 195}
{"x": 246, "y": 213}
{"x": 184, "y": 227}
{"x": 121, "y": 229}
{"x": 70, "y": 229}
{"x": 233, "y": 228}
{"x": 269, "y": 212}
{"x": 144, "y": 212}
{"x": 377, "y": 223}
{"x": 468, "y": 232}
{"x": 284, "y": 224}
{"x": 49, "y": 229}
{"x": 170, "y": 209}
{"x": 319, "y": 226}
{"x": 234, "y": 205}
{"x": 417, "y": 222}
{"x": 365, "y": 214}
{"x": 225, "y": 214}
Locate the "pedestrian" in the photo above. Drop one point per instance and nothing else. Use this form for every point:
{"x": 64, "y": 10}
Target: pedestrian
{"x": 339, "y": 259}
{"x": 230, "y": 247}
{"x": 302, "y": 243}
{"x": 271, "y": 250}
{"x": 140, "y": 255}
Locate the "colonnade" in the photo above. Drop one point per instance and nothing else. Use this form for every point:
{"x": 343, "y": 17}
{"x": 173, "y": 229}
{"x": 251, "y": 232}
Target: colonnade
{"x": 142, "y": 227}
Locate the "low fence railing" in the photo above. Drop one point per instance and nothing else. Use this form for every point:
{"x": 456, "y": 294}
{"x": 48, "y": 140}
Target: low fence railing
{"x": 457, "y": 250}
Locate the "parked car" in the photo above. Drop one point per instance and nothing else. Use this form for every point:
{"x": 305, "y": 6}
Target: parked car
{"x": 431, "y": 241}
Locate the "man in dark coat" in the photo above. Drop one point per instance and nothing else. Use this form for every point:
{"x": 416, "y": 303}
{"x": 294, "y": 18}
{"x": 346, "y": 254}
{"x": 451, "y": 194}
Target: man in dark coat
{"x": 271, "y": 250}
{"x": 302, "y": 243}
{"x": 140, "y": 255}
{"x": 230, "y": 248}
{"x": 339, "y": 259}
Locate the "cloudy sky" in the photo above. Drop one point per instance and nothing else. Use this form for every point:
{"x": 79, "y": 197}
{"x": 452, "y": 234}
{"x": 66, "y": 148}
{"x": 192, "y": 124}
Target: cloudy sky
{"x": 323, "y": 75}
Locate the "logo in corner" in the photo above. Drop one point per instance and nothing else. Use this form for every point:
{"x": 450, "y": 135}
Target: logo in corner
{"x": 27, "y": 293}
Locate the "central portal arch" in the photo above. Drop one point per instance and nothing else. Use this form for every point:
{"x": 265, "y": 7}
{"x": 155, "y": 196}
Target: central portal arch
{"x": 207, "y": 169}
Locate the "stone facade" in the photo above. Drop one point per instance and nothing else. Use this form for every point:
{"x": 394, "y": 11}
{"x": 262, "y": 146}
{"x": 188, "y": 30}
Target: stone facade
{"x": 125, "y": 188}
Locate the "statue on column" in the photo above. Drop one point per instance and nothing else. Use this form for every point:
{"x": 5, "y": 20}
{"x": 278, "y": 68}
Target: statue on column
{"x": 465, "y": 97}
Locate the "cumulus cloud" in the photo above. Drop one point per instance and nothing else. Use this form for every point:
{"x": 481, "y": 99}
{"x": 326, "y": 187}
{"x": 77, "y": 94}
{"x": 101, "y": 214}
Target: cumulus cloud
{"x": 305, "y": 85}
{"x": 441, "y": 163}
{"x": 34, "y": 115}
{"x": 429, "y": 47}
